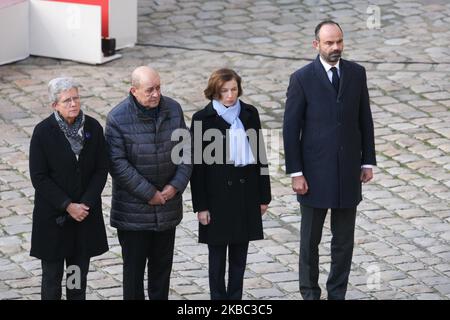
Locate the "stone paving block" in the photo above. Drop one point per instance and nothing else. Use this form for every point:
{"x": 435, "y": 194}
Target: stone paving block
{"x": 95, "y": 273}
{"x": 428, "y": 296}
{"x": 258, "y": 257}
{"x": 441, "y": 95}
{"x": 291, "y": 287}
{"x": 392, "y": 275}
{"x": 281, "y": 277}
{"x": 18, "y": 229}
{"x": 92, "y": 296}
{"x": 425, "y": 241}
{"x": 197, "y": 296}
{"x": 194, "y": 273}
{"x": 104, "y": 262}
{"x": 24, "y": 283}
{"x": 176, "y": 281}
{"x": 204, "y": 282}
{"x": 356, "y": 295}
{"x": 443, "y": 289}
{"x": 23, "y": 209}
{"x": 187, "y": 266}
{"x": 422, "y": 274}
{"x": 30, "y": 291}
{"x": 193, "y": 250}
{"x": 13, "y": 274}
{"x": 393, "y": 295}
{"x": 438, "y": 249}
{"x": 265, "y": 293}
{"x": 9, "y": 295}
{"x": 15, "y": 202}
{"x": 445, "y": 236}
{"x": 103, "y": 283}
{"x": 111, "y": 293}
{"x": 399, "y": 260}
{"x": 267, "y": 267}
{"x": 277, "y": 250}
{"x": 433, "y": 281}
{"x": 187, "y": 289}
{"x": 115, "y": 269}
{"x": 4, "y": 212}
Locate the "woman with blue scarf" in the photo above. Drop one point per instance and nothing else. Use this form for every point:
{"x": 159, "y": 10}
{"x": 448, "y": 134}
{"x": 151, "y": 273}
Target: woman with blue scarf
{"x": 230, "y": 184}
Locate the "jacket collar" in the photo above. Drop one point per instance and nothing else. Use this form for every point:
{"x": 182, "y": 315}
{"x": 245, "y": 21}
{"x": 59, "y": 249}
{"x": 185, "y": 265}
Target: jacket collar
{"x": 322, "y": 75}
{"x": 243, "y": 116}
{"x": 64, "y": 143}
{"x": 87, "y": 126}
{"x": 163, "y": 113}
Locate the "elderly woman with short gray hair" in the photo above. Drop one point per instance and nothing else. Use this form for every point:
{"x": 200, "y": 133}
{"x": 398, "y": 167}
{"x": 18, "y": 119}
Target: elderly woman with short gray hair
{"x": 68, "y": 169}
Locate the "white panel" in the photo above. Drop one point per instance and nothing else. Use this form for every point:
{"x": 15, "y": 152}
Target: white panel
{"x": 14, "y": 34}
{"x": 123, "y": 22}
{"x": 8, "y": 3}
{"x": 66, "y": 31}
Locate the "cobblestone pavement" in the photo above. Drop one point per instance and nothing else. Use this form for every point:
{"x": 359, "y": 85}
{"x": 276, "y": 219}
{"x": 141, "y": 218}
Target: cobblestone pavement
{"x": 403, "y": 228}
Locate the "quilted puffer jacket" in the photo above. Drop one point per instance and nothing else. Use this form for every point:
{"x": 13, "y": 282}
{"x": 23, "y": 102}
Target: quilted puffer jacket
{"x": 139, "y": 149}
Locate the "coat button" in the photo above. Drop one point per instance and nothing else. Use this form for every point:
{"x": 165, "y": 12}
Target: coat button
{"x": 242, "y": 180}
{"x": 230, "y": 182}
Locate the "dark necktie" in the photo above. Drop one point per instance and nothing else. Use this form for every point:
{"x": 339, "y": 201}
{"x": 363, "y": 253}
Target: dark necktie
{"x": 335, "y": 79}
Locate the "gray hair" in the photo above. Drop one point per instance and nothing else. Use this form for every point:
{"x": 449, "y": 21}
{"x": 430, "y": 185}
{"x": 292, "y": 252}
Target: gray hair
{"x": 57, "y": 85}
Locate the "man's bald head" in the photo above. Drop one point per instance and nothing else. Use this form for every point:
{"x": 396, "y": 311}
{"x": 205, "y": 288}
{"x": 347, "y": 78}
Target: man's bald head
{"x": 140, "y": 74}
{"x": 146, "y": 86}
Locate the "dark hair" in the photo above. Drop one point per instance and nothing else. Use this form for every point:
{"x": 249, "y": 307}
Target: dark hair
{"x": 319, "y": 26}
{"x": 216, "y": 81}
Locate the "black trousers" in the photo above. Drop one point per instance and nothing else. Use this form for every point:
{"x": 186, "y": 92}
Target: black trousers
{"x": 343, "y": 231}
{"x": 237, "y": 260}
{"x": 76, "y": 276}
{"x": 154, "y": 249}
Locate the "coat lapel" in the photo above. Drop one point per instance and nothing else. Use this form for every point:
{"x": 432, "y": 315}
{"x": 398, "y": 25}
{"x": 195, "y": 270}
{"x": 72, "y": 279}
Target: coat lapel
{"x": 217, "y": 120}
{"x": 87, "y": 136}
{"x": 344, "y": 77}
{"x": 244, "y": 115}
{"x": 322, "y": 75}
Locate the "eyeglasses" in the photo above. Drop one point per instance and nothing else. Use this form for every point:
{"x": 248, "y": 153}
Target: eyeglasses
{"x": 67, "y": 102}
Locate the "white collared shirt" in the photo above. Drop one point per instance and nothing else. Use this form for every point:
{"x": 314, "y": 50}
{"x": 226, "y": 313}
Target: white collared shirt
{"x": 327, "y": 68}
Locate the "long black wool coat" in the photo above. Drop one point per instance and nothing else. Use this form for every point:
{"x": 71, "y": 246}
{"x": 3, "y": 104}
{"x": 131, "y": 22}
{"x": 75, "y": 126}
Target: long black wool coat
{"x": 327, "y": 135}
{"x": 58, "y": 179}
{"x": 232, "y": 195}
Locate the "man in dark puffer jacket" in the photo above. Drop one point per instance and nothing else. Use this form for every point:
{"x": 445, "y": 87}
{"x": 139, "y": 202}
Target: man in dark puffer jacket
{"x": 146, "y": 201}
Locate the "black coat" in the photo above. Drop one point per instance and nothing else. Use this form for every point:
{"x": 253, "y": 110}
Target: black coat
{"x": 58, "y": 179}
{"x": 232, "y": 195}
{"x": 328, "y": 136}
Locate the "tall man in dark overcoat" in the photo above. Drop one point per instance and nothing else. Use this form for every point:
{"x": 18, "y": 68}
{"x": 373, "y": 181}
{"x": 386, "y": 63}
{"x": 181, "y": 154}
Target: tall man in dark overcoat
{"x": 329, "y": 150}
